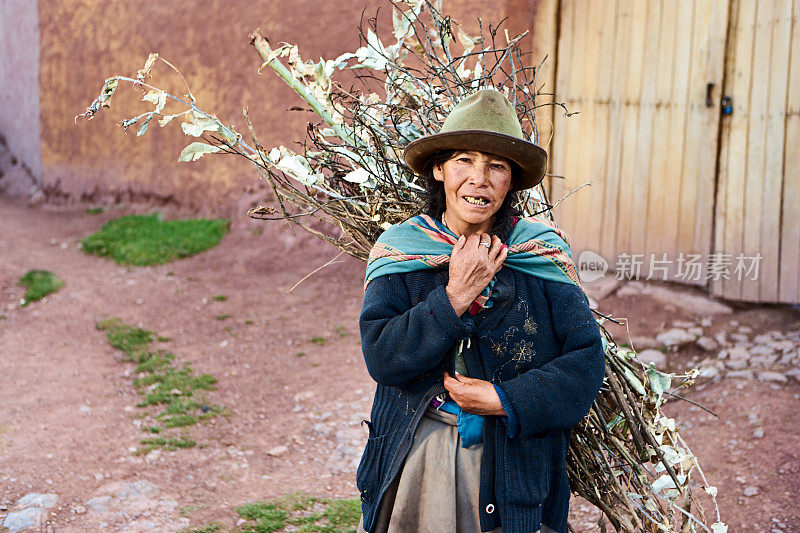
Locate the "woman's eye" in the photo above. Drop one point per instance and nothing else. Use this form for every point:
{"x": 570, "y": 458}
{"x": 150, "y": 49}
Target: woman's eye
{"x": 499, "y": 166}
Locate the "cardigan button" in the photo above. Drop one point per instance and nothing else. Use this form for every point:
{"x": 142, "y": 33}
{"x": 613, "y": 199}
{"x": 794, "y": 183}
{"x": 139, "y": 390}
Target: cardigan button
{"x": 365, "y": 496}
{"x": 490, "y": 508}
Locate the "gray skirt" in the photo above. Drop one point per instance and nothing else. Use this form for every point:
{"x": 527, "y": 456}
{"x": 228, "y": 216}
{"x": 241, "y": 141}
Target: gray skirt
{"x": 437, "y": 488}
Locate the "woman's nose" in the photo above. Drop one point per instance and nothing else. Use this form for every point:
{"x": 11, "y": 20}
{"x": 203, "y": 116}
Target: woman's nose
{"x": 479, "y": 174}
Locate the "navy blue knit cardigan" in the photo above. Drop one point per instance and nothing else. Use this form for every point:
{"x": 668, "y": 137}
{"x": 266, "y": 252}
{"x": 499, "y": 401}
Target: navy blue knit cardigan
{"x": 538, "y": 342}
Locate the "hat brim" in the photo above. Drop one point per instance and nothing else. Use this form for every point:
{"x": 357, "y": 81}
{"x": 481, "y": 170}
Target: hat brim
{"x": 532, "y": 159}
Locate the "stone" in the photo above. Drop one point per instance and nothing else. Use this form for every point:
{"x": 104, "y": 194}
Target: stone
{"x": 772, "y": 377}
{"x": 685, "y": 324}
{"x": 761, "y": 350}
{"x": 129, "y": 497}
{"x": 631, "y": 288}
{"x": 602, "y": 287}
{"x": 721, "y": 337}
{"x": 750, "y": 491}
{"x": 758, "y": 433}
{"x": 700, "y": 305}
{"x": 709, "y": 372}
{"x": 98, "y": 504}
{"x": 656, "y": 357}
{"x": 675, "y": 337}
{"x": 763, "y": 338}
{"x": 278, "y": 450}
{"x": 45, "y": 501}
{"x": 37, "y": 198}
{"x": 707, "y": 344}
{"x": 793, "y": 373}
{"x": 32, "y": 517}
{"x": 304, "y": 395}
{"x": 740, "y": 374}
{"x": 644, "y": 343}
{"x": 737, "y": 353}
{"x": 763, "y": 360}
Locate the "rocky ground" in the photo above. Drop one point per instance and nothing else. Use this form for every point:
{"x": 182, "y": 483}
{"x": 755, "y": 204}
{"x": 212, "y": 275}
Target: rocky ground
{"x": 294, "y": 386}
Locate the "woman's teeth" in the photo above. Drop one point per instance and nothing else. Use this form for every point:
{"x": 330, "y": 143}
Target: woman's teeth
{"x": 476, "y": 201}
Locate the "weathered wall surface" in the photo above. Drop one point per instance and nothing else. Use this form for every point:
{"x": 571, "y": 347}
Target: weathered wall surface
{"x": 85, "y": 41}
{"x": 19, "y": 95}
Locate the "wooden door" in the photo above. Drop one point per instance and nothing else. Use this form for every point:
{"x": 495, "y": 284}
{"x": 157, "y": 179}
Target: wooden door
{"x": 645, "y": 77}
{"x": 758, "y": 197}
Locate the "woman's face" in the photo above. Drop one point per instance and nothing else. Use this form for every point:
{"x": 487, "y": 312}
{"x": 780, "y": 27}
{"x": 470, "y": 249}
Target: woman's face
{"x": 475, "y": 185}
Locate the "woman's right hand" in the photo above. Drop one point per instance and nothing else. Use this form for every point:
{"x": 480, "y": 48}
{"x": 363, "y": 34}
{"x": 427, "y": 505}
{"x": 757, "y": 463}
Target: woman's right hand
{"x": 472, "y": 267}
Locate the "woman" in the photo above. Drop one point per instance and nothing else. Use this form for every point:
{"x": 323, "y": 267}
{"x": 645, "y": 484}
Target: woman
{"x": 481, "y": 341}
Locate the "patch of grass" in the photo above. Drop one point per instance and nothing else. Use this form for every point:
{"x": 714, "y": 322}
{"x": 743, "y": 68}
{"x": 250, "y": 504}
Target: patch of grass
{"x": 94, "y": 210}
{"x": 131, "y": 340}
{"x": 247, "y": 322}
{"x": 267, "y": 517}
{"x": 223, "y": 316}
{"x": 299, "y": 354}
{"x": 163, "y": 339}
{"x": 180, "y": 420}
{"x": 170, "y": 273}
{"x": 208, "y": 528}
{"x": 258, "y": 231}
{"x": 188, "y": 510}
{"x": 220, "y": 298}
{"x": 164, "y": 443}
{"x": 192, "y": 278}
{"x": 3, "y": 317}
{"x": 343, "y": 513}
{"x": 315, "y": 363}
{"x": 301, "y": 512}
{"x": 39, "y": 283}
{"x": 178, "y": 390}
{"x": 149, "y": 240}
{"x": 318, "y": 340}
{"x": 342, "y": 331}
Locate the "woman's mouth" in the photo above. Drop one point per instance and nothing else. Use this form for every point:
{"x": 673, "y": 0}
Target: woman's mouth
{"x": 476, "y": 200}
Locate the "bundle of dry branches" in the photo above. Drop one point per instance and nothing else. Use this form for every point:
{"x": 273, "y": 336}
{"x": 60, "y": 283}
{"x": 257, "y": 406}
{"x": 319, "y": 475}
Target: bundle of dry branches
{"x": 625, "y": 457}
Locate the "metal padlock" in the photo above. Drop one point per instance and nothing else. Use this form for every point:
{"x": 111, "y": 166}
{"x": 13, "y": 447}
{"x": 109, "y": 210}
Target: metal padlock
{"x": 727, "y": 106}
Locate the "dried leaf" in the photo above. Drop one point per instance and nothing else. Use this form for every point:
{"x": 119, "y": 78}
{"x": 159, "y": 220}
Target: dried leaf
{"x": 200, "y": 125}
{"x": 144, "y": 72}
{"x": 108, "y": 90}
{"x": 659, "y": 381}
{"x": 156, "y": 97}
{"x": 166, "y": 119}
{"x": 358, "y": 175}
{"x": 143, "y": 128}
{"x": 196, "y": 150}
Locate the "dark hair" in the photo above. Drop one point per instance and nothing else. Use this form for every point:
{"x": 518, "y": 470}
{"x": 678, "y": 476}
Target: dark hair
{"x": 435, "y": 200}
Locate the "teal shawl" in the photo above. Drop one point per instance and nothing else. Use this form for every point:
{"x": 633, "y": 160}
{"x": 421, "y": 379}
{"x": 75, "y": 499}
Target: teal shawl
{"x": 536, "y": 247}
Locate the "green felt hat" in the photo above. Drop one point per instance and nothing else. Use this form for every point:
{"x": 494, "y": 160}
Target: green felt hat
{"x": 484, "y": 121}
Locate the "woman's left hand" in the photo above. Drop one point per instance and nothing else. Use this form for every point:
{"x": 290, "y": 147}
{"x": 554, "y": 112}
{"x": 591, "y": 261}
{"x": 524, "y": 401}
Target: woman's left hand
{"x": 474, "y": 395}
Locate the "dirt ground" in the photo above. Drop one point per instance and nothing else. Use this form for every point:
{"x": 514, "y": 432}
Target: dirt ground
{"x": 68, "y": 421}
